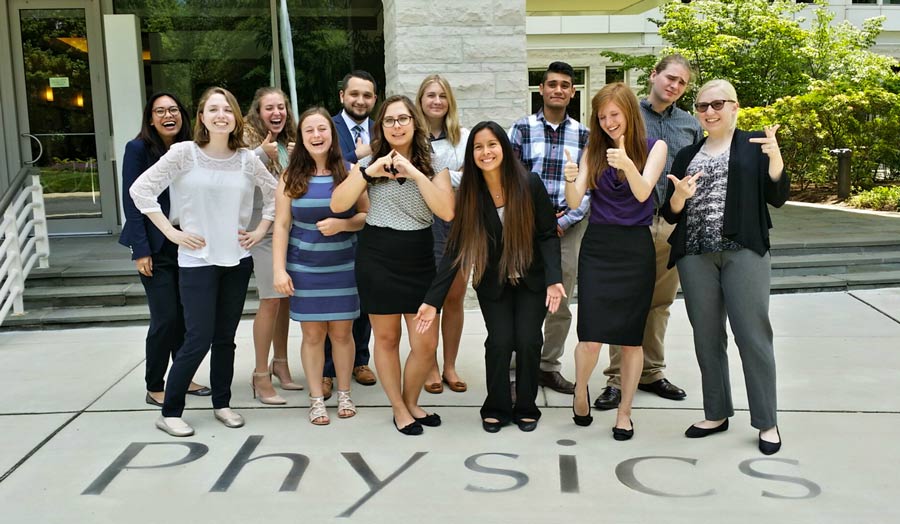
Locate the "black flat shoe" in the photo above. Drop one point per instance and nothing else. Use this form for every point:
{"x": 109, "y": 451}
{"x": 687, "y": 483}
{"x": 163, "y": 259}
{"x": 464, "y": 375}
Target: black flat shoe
{"x": 152, "y": 401}
{"x": 582, "y": 420}
{"x": 491, "y": 427}
{"x": 695, "y": 432}
{"x": 770, "y": 448}
{"x": 412, "y": 429}
{"x": 202, "y": 392}
{"x": 623, "y": 434}
{"x": 431, "y": 420}
{"x": 527, "y": 425}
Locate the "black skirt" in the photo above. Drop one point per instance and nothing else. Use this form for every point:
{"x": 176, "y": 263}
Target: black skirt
{"x": 616, "y": 275}
{"x": 394, "y": 269}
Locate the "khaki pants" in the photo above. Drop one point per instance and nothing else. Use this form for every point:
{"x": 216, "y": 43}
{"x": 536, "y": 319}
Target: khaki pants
{"x": 556, "y": 325}
{"x": 664, "y": 292}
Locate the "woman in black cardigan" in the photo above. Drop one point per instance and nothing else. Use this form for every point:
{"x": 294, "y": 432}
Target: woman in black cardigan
{"x": 165, "y": 122}
{"x": 718, "y": 193}
{"x": 505, "y": 231}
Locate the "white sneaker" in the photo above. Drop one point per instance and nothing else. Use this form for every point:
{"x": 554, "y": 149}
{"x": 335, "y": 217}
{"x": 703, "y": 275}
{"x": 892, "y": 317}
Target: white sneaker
{"x": 228, "y": 417}
{"x": 174, "y": 426}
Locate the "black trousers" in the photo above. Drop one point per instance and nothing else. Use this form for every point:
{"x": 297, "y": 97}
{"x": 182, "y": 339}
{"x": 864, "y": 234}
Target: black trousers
{"x": 213, "y": 300}
{"x": 514, "y": 323}
{"x": 362, "y": 331}
{"x": 166, "y": 332}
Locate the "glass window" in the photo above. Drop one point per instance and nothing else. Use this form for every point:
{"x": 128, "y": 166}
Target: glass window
{"x": 614, "y": 74}
{"x": 190, "y": 45}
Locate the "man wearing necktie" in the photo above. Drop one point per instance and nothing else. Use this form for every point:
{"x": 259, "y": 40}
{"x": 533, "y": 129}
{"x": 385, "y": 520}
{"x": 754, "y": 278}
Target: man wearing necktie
{"x": 354, "y": 129}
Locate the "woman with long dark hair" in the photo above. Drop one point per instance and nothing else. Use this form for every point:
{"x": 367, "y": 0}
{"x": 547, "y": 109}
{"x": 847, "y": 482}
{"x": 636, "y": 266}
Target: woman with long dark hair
{"x": 213, "y": 178}
{"x": 269, "y": 131}
{"x": 314, "y": 251}
{"x": 505, "y": 231}
{"x": 395, "y": 257}
{"x": 617, "y": 264}
{"x": 165, "y": 122}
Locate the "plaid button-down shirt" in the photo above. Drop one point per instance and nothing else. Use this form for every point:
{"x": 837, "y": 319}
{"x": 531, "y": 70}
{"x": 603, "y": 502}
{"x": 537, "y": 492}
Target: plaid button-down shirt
{"x": 678, "y": 129}
{"x": 541, "y": 150}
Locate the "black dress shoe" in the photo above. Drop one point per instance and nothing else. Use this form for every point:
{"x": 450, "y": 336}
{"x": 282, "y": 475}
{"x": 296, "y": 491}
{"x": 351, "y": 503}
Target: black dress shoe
{"x": 695, "y": 432}
{"x": 664, "y": 389}
{"x": 770, "y": 448}
{"x": 202, "y": 392}
{"x": 555, "y": 381}
{"x": 623, "y": 434}
{"x": 527, "y": 425}
{"x": 411, "y": 429}
{"x": 152, "y": 401}
{"x": 491, "y": 427}
{"x": 609, "y": 398}
{"x": 431, "y": 420}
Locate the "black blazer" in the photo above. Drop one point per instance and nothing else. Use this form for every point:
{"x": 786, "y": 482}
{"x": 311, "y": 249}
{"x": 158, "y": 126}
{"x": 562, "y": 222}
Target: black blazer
{"x": 139, "y": 233}
{"x": 750, "y": 188}
{"x": 345, "y": 137}
{"x": 546, "y": 266}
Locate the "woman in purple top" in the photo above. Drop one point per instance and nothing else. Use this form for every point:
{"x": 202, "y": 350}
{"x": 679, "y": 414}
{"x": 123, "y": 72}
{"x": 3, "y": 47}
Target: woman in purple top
{"x": 617, "y": 265}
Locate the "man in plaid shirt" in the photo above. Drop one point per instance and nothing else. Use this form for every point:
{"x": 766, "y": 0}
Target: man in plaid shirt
{"x": 540, "y": 141}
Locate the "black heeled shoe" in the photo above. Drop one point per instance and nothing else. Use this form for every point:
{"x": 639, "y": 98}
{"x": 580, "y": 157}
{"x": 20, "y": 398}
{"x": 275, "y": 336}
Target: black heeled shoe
{"x": 412, "y": 429}
{"x": 582, "y": 420}
{"x": 770, "y": 448}
{"x": 152, "y": 401}
{"x": 491, "y": 427}
{"x": 623, "y": 434}
{"x": 431, "y": 420}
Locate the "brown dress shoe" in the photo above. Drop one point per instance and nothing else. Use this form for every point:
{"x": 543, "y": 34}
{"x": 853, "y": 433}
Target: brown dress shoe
{"x": 364, "y": 375}
{"x": 555, "y": 381}
{"x": 327, "y": 386}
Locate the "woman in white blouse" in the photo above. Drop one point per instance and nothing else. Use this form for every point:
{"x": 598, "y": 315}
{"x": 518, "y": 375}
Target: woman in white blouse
{"x": 212, "y": 180}
{"x": 448, "y": 146}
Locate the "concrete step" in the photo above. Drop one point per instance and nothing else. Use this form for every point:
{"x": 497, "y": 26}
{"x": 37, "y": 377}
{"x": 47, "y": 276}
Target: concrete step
{"x": 835, "y": 263}
{"x": 95, "y": 295}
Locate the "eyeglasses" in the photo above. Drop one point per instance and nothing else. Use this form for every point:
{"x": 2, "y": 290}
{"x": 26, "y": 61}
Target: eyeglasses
{"x": 161, "y": 111}
{"x": 701, "y": 107}
{"x": 391, "y": 121}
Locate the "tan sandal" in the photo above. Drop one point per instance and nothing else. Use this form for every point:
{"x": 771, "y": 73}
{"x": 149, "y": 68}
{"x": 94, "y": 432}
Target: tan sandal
{"x": 345, "y": 404}
{"x": 318, "y": 415}
{"x": 434, "y": 388}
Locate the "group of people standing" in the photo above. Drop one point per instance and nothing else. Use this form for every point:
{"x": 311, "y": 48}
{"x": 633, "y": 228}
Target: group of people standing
{"x": 379, "y": 222}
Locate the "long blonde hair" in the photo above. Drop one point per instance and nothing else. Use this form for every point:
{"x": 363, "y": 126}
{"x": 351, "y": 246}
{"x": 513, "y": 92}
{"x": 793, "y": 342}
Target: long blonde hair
{"x": 451, "y": 119}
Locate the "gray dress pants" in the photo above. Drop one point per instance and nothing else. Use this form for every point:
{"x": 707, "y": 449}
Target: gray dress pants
{"x": 732, "y": 285}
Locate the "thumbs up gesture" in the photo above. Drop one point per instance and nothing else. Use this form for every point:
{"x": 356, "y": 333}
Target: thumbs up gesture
{"x": 270, "y": 146}
{"x": 618, "y": 157}
{"x": 570, "y": 170}
{"x": 769, "y": 144}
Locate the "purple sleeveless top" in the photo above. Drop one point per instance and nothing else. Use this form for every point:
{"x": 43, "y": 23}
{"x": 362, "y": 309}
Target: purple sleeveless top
{"x": 613, "y": 203}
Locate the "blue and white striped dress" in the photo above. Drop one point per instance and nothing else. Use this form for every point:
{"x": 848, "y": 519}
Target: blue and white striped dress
{"x": 320, "y": 266}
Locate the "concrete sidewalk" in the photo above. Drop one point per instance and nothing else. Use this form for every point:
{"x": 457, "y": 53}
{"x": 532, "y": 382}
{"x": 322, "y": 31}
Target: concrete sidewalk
{"x": 78, "y": 444}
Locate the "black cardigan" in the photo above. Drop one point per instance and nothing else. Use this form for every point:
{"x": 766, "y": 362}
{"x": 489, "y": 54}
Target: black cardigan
{"x": 545, "y": 268}
{"x": 750, "y": 188}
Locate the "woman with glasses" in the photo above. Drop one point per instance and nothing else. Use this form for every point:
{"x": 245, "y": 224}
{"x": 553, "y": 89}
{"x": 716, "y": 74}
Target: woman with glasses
{"x": 395, "y": 257}
{"x": 213, "y": 179}
{"x": 165, "y": 122}
{"x": 717, "y": 198}
{"x": 448, "y": 145}
{"x": 270, "y": 131}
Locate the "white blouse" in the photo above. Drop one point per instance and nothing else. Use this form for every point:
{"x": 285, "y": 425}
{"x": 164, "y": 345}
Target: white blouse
{"x": 212, "y": 198}
{"x": 445, "y": 155}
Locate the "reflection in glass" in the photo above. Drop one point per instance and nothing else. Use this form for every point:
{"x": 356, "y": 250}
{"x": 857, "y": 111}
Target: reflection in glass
{"x": 60, "y": 109}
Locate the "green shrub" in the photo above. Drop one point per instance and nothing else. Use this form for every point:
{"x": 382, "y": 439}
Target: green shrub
{"x": 881, "y": 198}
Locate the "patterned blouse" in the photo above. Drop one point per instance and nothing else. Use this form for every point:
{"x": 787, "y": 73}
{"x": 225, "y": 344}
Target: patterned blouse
{"x": 706, "y": 209}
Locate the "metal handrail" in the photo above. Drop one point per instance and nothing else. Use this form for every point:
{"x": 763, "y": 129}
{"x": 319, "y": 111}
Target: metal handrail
{"x": 25, "y": 239}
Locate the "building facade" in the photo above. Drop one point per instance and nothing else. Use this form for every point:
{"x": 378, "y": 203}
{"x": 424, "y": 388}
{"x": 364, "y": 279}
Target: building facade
{"x": 74, "y": 74}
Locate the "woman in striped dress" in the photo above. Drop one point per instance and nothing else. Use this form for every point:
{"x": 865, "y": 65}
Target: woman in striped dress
{"x": 314, "y": 251}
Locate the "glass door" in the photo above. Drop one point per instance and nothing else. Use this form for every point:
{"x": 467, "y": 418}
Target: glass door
{"x": 63, "y": 118}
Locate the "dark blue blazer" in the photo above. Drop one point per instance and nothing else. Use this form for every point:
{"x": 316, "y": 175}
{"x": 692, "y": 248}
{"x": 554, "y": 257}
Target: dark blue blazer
{"x": 139, "y": 233}
{"x": 345, "y": 137}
